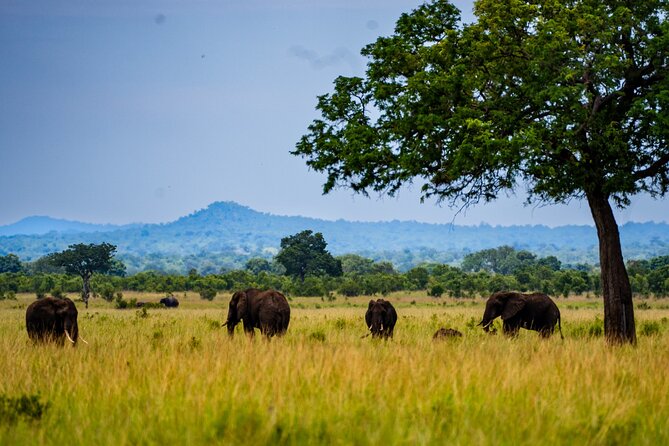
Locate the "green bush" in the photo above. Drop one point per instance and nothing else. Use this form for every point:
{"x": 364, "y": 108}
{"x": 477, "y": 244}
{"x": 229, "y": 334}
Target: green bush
{"x": 27, "y": 407}
{"x": 106, "y": 290}
{"x": 650, "y": 328}
{"x": 592, "y": 329}
{"x": 350, "y": 288}
{"x": 318, "y": 336}
{"x": 208, "y": 294}
{"x": 436, "y": 290}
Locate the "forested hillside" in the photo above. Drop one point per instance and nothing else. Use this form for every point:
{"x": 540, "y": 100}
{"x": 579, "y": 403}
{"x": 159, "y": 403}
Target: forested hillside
{"x": 225, "y": 235}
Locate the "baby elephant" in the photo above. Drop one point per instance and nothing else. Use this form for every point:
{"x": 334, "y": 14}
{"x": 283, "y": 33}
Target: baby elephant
{"x": 530, "y": 311}
{"x": 444, "y": 333}
{"x": 381, "y": 318}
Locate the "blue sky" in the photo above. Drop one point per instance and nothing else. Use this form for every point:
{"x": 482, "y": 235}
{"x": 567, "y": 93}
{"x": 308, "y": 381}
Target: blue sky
{"x": 120, "y": 111}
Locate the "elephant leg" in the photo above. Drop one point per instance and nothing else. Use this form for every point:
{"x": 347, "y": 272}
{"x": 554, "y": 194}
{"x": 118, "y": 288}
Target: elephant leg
{"x": 546, "y": 332}
{"x": 510, "y": 329}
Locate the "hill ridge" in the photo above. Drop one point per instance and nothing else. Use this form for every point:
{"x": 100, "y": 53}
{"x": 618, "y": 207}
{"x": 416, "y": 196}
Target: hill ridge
{"x": 227, "y": 234}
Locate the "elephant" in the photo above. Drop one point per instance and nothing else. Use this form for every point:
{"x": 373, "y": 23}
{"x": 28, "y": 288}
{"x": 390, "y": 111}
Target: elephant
{"x": 52, "y": 319}
{"x": 444, "y": 333}
{"x": 170, "y": 301}
{"x": 267, "y": 310}
{"x": 381, "y": 318}
{"x": 534, "y": 311}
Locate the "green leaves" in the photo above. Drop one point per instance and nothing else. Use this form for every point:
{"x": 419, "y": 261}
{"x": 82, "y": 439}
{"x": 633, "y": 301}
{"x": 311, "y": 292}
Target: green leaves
{"x": 304, "y": 254}
{"x": 563, "y": 96}
{"x": 84, "y": 260}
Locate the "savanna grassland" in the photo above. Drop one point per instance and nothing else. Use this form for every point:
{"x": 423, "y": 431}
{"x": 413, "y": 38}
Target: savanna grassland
{"x": 163, "y": 376}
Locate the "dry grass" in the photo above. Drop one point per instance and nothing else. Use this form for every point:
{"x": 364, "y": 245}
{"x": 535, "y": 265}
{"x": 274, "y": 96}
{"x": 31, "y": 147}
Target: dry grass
{"x": 175, "y": 377}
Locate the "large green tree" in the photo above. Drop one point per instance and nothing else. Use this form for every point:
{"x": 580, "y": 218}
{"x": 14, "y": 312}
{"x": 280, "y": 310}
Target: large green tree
{"x": 84, "y": 260}
{"x": 10, "y": 264}
{"x": 568, "y": 99}
{"x": 304, "y": 254}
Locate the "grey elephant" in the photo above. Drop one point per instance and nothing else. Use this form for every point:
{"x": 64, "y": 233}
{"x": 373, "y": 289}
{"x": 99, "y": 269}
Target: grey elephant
{"x": 267, "y": 310}
{"x": 534, "y": 311}
{"x": 169, "y": 302}
{"x": 52, "y": 319}
{"x": 381, "y": 318}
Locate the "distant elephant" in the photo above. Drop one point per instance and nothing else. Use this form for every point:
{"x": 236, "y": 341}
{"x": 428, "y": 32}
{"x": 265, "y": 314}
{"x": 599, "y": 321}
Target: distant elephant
{"x": 267, "y": 310}
{"x": 530, "y": 311}
{"x": 381, "y": 318}
{"x": 52, "y": 319}
{"x": 443, "y": 333}
{"x": 169, "y": 302}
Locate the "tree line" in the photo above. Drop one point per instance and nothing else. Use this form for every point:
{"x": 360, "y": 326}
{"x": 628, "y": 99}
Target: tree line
{"x": 304, "y": 267}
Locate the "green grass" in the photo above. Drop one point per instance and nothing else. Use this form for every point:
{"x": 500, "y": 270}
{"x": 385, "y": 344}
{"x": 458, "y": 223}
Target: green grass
{"x": 175, "y": 377}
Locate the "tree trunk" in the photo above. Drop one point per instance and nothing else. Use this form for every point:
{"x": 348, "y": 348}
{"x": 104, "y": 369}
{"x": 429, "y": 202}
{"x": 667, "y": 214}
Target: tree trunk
{"x": 619, "y": 325}
{"x": 87, "y": 290}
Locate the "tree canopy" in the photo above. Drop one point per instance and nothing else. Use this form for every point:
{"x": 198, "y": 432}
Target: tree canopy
{"x": 568, "y": 99}
{"x": 10, "y": 264}
{"x": 84, "y": 260}
{"x": 304, "y": 254}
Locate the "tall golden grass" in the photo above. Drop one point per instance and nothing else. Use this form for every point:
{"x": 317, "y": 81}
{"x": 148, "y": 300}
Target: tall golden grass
{"x": 175, "y": 377}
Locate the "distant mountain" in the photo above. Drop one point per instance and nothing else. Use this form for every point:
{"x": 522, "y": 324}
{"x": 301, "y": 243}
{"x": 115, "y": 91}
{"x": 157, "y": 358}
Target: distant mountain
{"x": 42, "y": 225}
{"x": 226, "y": 234}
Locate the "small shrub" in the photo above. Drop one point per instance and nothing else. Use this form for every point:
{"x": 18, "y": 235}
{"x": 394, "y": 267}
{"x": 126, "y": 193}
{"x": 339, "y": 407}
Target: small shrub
{"x": 643, "y": 306}
{"x": 28, "y": 407}
{"x": 650, "y": 328}
{"x": 40, "y": 294}
{"x": 318, "y": 336}
{"x": 107, "y": 292}
{"x": 592, "y": 329}
{"x": 340, "y": 323}
{"x": 436, "y": 291}
{"x": 121, "y": 304}
{"x": 207, "y": 294}
{"x": 142, "y": 313}
{"x": 413, "y": 302}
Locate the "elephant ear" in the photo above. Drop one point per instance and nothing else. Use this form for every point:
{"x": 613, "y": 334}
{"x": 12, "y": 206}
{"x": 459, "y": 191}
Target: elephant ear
{"x": 513, "y": 305}
{"x": 242, "y": 305}
{"x": 62, "y": 307}
{"x": 371, "y": 304}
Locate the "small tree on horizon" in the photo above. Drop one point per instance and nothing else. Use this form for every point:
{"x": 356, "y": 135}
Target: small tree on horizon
{"x": 84, "y": 260}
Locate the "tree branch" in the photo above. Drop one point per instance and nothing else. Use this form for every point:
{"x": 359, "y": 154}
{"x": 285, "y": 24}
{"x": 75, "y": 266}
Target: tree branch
{"x": 653, "y": 169}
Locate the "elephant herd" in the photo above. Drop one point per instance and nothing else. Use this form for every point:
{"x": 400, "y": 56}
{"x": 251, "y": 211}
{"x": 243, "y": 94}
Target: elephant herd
{"x": 53, "y": 319}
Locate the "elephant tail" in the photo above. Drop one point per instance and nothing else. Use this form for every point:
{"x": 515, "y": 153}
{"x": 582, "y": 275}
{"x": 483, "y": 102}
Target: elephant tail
{"x": 560, "y": 328}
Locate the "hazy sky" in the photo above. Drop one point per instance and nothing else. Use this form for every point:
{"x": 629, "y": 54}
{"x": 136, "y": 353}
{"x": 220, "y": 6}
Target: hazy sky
{"x": 118, "y": 111}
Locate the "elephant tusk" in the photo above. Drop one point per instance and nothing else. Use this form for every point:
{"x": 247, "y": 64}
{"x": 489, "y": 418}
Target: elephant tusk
{"x": 370, "y": 328}
{"x": 381, "y": 327}
{"x": 68, "y": 337}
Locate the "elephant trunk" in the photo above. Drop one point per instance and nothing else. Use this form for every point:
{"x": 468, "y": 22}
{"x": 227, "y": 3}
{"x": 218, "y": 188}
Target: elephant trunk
{"x": 231, "y": 324}
{"x": 71, "y": 332}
